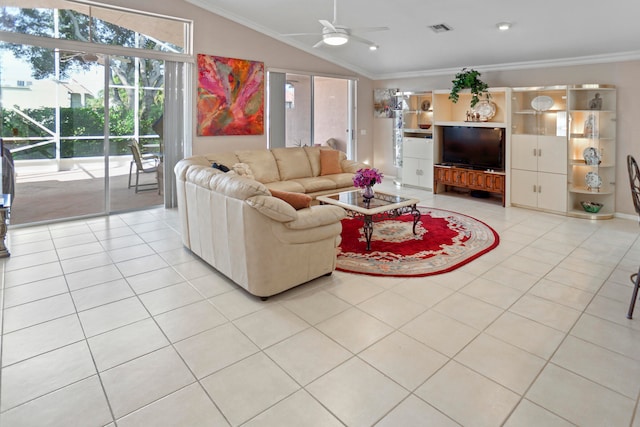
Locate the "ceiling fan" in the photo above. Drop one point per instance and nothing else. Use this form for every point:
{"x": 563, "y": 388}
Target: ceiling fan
{"x": 334, "y": 34}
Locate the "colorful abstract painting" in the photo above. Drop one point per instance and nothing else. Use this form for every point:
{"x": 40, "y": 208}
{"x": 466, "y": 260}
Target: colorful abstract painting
{"x": 230, "y": 96}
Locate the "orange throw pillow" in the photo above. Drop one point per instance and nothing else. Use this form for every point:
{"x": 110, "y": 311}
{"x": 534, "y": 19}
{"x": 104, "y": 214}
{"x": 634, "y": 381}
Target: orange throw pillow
{"x": 330, "y": 162}
{"x": 297, "y": 200}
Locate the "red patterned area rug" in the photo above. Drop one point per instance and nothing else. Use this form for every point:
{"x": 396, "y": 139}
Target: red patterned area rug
{"x": 444, "y": 241}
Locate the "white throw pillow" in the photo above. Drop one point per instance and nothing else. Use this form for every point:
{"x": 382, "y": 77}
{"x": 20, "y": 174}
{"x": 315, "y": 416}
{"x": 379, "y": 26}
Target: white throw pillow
{"x": 243, "y": 169}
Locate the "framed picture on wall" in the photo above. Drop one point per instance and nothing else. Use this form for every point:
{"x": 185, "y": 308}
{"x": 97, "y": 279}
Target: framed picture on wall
{"x": 230, "y": 96}
{"x": 384, "y": 101}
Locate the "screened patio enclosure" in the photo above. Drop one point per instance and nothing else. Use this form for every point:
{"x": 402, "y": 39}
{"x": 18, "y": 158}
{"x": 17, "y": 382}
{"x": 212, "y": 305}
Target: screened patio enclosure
{"x": 68, "y": 114}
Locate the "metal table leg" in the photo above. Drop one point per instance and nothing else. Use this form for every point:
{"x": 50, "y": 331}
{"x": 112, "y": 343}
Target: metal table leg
{"x": 416, "y": 217}
{"x": 635, "y": 279}
{"x": 367, "y": 228}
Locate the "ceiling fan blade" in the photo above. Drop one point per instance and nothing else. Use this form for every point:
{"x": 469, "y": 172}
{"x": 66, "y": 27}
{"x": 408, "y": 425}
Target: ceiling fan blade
{"x": 369, "y": 29}
{"x": 361, "y": 40}
{"x": 327, "y": 24}
{"x": 320, "y": 43}
{"x": 300, "y": 34}
{"x": 68, "y": 56}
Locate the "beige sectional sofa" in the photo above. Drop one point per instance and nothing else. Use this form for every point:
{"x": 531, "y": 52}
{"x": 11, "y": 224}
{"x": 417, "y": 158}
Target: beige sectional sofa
{"x": 296, "y": 169}
{"x": 259, "y": 241}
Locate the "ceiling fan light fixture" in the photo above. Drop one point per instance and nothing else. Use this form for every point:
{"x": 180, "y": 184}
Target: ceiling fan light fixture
{"x": 335, "y": 39}
{"x": 373, "y": 47}
{"x": 503, "y": 26}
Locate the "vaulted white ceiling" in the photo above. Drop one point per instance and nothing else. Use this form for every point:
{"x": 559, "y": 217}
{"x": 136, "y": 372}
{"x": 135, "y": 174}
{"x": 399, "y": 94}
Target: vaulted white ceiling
{"x": 542, "y": 32}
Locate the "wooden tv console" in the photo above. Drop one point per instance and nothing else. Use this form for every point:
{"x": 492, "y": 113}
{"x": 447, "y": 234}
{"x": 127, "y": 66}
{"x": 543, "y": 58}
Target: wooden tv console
{"x": 492, "y": 182}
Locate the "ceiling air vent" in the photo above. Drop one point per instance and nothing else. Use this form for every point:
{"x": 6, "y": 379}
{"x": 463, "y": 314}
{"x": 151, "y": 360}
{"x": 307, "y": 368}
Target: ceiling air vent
{"x": 440, "y": 28}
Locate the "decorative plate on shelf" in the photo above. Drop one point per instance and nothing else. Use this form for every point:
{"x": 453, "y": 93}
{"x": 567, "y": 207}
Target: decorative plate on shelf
{"x": 425, "y": 105}
{"x": 542, "y": 103}
{"x": 593, "y": 181}
{"x": 591, "y": 156}
{"x": 486, "y": 110}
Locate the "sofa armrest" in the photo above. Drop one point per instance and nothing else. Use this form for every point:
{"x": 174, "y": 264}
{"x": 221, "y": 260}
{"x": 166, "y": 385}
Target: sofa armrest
{"x": 274, "y": 208}
{"x": 182, "y": 167}
{"x": 352, "y": 166}
{"x": 316, "y": 216}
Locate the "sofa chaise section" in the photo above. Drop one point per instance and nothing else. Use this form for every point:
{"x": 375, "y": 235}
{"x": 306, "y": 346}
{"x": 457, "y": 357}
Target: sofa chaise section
{"x": 258, "y": 241}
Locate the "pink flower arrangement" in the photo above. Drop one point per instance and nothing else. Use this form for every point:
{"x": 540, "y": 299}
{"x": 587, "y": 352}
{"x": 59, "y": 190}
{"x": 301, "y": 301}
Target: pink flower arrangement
{"x": 367, "y": 177}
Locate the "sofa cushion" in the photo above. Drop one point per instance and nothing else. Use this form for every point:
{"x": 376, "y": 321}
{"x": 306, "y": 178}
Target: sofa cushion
{"x": 227, "y": 158}
{"x": 330, "y": 162}
{"x": 313, "y": 154}
{"x": 262, "y": 164}
{"x": 292, "y": 163}
{"x": 341, "y": 179}
{"x": 292, "y": 186}
{"x": 352, "y": 166}
{"x": 297, "y": 200}
{"x": 274, "y": 208}
{"x": 312, "y": 185}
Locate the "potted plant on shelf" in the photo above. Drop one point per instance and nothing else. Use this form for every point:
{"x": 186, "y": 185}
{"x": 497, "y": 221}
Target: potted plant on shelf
{"x": 469, "y": 79}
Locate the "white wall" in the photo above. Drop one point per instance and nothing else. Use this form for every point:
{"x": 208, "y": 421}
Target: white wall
{"x": 624, "y": 75}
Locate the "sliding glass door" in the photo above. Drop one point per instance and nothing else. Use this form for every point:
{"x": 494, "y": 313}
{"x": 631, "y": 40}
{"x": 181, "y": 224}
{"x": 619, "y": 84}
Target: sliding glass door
{"x": 310, "y": 110}
{"x": 69, "y": 134}
{"x": 78, "y": 93}
{"x": 331, "y": 118}
{"x": 53, "y": 128}
{"x": 136, "y": 109}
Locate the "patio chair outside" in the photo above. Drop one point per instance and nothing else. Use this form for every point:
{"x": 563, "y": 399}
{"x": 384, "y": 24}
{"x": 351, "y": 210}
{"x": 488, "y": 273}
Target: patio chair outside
{"x": 147, "y": 163}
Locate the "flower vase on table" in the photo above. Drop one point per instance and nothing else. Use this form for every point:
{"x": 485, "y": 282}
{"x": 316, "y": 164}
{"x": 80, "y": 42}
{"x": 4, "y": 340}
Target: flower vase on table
{"x": 366, "y": 179}
{"x": 368, "y": 192}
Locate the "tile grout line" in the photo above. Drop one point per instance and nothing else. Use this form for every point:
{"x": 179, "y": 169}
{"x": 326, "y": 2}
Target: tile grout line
{"x": 549, "y": 360}
{"x": 86, "y": 342}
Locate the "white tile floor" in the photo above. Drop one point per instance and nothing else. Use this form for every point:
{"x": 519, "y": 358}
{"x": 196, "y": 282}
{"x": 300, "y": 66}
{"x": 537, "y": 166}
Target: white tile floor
{"x": 109, "y": 321}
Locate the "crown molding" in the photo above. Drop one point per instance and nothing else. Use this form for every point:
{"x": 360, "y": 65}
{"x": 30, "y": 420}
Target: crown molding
{"x": 512, "y": 66}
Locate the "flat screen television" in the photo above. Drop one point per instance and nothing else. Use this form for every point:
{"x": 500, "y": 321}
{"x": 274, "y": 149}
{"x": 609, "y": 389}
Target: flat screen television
{"x": 479, "y": 148}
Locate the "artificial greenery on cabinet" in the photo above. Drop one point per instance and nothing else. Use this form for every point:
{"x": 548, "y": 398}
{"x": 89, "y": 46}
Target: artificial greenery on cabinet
{"x": 469, "y": 79}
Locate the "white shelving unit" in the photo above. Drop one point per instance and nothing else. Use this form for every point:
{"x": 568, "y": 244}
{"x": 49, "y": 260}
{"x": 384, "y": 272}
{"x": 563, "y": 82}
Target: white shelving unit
{"x": 539, "y": 148}
{"x": 592, "y": 149}
{"x": 417, "y": 169}
{"x": 553, "y": 135}
{"x": 417, "y": 141}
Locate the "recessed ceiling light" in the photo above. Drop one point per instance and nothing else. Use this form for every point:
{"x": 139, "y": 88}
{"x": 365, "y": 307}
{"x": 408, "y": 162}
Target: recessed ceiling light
{"x": 503, "y": 26}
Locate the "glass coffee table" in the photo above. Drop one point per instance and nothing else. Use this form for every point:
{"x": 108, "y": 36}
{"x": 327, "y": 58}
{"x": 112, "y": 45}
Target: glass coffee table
{"x": 381, "y": 206}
